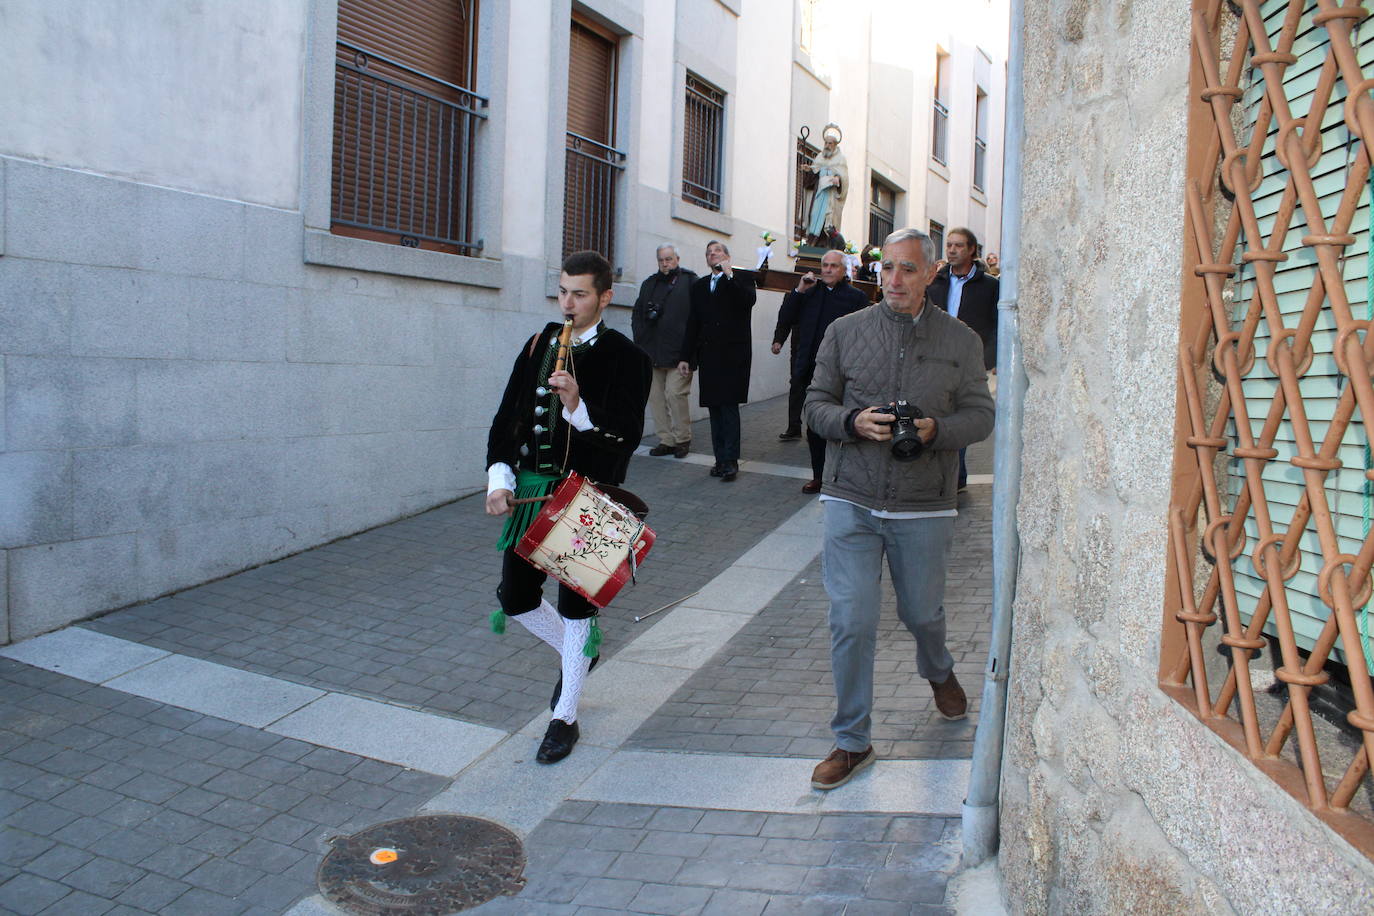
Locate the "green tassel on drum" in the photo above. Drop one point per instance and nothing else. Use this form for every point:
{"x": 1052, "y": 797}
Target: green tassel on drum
{"x": 592, "y": 647}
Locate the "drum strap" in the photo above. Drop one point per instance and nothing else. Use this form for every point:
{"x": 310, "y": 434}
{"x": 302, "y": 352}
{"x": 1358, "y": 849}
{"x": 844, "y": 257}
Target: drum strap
{"x": 527, "y": 484}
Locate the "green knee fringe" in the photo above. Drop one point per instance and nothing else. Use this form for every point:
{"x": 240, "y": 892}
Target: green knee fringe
{"x": 592, "y": 647}
{"x": 528, "y": 484}
{"x": 498, "y": 621}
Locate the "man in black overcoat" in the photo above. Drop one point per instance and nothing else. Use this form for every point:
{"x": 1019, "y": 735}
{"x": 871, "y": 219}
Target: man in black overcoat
{"x": 587, "y": 417}
{"x": 805, "y": 313}
{"x": 719, "y": 344}
{"x": 965, "y": 290}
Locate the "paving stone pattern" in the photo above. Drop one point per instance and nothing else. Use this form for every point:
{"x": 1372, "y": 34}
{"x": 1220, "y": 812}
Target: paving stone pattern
{"x": 613, "y": 858}
{"x": 115, "y": 804}
{"x": 769, "y": 691}
{"x": 399, "y": 613}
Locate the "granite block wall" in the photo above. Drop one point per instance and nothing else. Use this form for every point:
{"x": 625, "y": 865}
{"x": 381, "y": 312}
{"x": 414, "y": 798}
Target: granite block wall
{"x": 1115, "y": 799}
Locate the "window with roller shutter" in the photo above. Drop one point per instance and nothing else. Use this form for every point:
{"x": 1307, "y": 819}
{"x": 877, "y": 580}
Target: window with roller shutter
{"x": 1267, "y": 617}
{"x": 703, "y": 143}
{"x": 1323, "y": 383}
{"x": 405, "y": 123}
{"x": 592, "y": 165}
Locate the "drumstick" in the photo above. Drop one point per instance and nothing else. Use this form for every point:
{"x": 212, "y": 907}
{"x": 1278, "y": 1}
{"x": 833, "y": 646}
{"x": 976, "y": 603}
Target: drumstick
{"x": 668, "y": 605}
{"x": 529, "y": 499}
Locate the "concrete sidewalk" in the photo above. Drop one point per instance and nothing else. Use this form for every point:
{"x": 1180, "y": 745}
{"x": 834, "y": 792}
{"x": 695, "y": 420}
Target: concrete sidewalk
{"x": 194, "y": 754}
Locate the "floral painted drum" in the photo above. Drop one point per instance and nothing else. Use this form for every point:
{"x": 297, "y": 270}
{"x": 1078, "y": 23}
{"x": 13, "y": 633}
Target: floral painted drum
{"x": 586, "y": 540}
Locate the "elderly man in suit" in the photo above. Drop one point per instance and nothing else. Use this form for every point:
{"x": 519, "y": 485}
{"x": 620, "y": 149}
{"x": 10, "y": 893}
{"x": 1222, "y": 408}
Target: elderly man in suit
{"x": 718, "y": 344}
{"x": 806, "y": 313}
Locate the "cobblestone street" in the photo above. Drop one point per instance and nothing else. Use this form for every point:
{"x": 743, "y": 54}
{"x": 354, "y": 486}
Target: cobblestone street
{"x": 195, "y": 754}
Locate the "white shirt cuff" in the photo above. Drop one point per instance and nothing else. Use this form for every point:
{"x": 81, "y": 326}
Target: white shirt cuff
{"x": 500, "y": 477}
{"x": 579, "y": 418}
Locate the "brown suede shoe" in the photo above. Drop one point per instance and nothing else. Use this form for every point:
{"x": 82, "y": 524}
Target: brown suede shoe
{"x": 840, "y": 767}
{"x": 682, "y": 449}
{"x": 658, "y": 451}
{"x": 949, "y": 698}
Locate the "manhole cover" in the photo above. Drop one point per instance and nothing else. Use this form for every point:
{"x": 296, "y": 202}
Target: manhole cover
{"x": 422, "y": 866}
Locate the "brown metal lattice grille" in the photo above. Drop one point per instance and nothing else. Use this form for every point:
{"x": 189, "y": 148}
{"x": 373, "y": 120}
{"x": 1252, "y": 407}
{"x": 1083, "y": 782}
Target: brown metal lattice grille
{"x": 1217, "y": 419}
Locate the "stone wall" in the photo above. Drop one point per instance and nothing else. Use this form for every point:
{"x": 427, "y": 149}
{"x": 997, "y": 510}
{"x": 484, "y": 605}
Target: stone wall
{"x": 1115, "y": 799}
{"x": 186, "y": 398}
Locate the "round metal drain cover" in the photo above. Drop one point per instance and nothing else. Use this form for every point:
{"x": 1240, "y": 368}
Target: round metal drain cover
{"x": 422, "y": 866}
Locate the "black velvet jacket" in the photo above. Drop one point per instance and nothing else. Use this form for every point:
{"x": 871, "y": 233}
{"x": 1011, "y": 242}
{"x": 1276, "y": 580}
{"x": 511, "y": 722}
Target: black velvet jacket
{"x": 613, "y": 377}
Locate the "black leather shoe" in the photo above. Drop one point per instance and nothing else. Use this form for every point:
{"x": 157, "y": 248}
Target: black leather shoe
{"x": 682, "y": 449}
{"x": 729, "y": 473}
{"x": 717, "y": 470}
{"x": 558, "y": 688}
{"x": 558, "y": 741}
{"x": 791, "y": 432}
{"x": 658, "y": 451}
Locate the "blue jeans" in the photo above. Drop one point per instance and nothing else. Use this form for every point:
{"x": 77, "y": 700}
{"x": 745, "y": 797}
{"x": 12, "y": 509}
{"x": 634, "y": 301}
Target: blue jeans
{"x": 917, "y": 553}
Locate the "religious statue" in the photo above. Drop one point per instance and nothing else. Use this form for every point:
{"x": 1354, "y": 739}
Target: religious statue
{"x": 832, "y": 185}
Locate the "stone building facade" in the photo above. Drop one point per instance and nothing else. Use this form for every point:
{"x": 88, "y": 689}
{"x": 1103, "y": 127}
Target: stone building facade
{"x": 200, "y": 372}
{"x": 1115, "y": 797}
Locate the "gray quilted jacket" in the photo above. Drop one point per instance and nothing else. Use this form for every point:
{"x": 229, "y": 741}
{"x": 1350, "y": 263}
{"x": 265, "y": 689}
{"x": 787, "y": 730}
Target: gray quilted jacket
{"x": 874, "y": 357}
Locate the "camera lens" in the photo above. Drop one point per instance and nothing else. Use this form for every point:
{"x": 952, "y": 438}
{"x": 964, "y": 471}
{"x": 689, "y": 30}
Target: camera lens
{"x": 907, "y": 445}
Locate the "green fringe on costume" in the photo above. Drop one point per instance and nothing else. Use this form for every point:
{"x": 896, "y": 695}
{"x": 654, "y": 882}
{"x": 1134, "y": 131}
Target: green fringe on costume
{"x": 592, "y": 647}
{"x": 498, "y": 621}
{"x": 527, "y": 484}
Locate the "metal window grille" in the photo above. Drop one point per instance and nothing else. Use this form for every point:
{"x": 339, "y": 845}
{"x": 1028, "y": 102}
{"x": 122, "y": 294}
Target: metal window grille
{"x": 937, "y": 235}
{"x": 806, "y": 154}
{"x": 404, "y": 151}
{"x": 980, "y": 143}
{"x": 702, "y": 143}
{"x": 939, "y": 133}
{"x": 881, "y": 217}
{"x": 591, "y": 170}
{"x": 1270, "y": 453}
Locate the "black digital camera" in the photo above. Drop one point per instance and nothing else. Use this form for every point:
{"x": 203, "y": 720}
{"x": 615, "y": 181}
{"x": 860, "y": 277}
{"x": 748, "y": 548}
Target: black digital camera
{"x": 906, "y": 441}
{"x": 653, "y": 311}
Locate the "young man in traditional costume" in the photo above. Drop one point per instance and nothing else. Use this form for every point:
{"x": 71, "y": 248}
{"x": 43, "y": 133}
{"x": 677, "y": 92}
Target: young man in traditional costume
{"x": 587, "y": 418}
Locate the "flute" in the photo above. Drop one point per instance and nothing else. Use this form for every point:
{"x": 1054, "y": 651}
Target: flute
{"x": 564, "y": 338}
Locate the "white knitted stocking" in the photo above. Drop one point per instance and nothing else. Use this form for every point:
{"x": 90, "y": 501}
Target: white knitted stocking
{"x": 546, "y": 623}
{"x": 575, "y": 667}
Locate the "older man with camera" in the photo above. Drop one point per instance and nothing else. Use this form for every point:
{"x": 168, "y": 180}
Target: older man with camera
{"x": 898, "y": 389}
{"x": 659, "y": 322}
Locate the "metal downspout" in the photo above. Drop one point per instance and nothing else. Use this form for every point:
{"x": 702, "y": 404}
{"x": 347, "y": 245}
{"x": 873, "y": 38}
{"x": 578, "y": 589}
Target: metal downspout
{"x": 980, "y": 811}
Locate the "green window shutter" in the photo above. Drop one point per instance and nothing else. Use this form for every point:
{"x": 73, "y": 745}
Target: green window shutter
{"x": 1323, "y": 384}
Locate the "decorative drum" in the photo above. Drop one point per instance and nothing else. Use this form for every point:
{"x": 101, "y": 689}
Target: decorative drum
{"x": 586, "y": 540}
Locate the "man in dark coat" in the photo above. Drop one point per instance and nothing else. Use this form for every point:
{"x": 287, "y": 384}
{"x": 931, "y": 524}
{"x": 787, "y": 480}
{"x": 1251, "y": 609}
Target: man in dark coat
{"x": 719, "y": 342}
{"x": 587, "y": 417}
{"x": 965, "y": 290}
{"x": 805, "y": 313}
{"x": 659, "y": 322}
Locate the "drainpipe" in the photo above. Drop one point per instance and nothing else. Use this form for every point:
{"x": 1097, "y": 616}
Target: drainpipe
{"x": 981, "y": 806}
